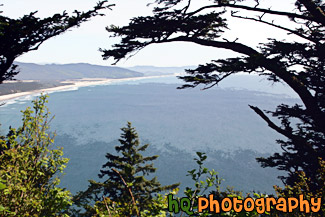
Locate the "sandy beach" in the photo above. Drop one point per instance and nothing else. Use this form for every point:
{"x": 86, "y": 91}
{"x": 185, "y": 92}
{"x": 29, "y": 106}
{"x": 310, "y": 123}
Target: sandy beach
{"x": 76, "y": 84}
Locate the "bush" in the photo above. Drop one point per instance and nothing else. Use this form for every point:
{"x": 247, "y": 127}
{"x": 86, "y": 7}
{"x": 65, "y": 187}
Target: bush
{"x": 29, "y": 167}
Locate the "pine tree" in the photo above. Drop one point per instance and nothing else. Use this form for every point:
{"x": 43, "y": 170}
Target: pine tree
{"x": 127, "y": 183}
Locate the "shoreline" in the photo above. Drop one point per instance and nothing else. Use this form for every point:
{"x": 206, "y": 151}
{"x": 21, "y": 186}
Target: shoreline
{"x": 84, "y": 82}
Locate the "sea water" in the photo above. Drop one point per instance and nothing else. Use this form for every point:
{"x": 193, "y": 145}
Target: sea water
{"x": 176, "y": 123}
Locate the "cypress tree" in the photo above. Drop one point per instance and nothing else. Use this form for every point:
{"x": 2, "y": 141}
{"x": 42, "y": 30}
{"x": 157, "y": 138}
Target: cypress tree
{"x": 297, "y": 61}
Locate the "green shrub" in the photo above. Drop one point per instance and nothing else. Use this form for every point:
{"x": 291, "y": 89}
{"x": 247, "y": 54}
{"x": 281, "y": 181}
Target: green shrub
{"x": 30, "y": 166}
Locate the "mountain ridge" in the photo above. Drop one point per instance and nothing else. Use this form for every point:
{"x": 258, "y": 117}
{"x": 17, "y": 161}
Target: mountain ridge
{"x": 33, "y": 71}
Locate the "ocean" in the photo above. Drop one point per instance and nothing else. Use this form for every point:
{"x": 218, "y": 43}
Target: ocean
{"x": 176, "y": 124}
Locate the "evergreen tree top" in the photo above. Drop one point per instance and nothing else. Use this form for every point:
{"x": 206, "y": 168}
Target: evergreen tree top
{"x": 126, "y": 176}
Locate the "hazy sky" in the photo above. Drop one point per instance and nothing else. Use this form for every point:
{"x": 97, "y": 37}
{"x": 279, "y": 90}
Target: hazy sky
{"x": 82, "y": 44}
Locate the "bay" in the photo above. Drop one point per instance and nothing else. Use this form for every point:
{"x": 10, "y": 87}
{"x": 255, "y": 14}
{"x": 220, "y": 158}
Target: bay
{"x": 176, "y": 123}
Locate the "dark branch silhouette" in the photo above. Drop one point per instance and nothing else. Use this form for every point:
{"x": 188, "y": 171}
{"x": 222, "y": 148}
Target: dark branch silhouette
{"x": 300, "y": 65}
{"x": 18, "y": 36}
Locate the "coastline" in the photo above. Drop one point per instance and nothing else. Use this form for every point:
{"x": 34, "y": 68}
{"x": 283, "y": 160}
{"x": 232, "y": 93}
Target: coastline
{"x": 84, "y": 82}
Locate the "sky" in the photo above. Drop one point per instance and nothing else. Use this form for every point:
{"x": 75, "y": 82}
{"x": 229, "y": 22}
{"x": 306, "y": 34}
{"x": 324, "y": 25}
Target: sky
{"x": 82, "y": 44}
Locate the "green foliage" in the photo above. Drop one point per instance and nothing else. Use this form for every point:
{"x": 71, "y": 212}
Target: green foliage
{"x": 204, "y": 180}
{"x": 18, "y": 36}
{"x": 127, "y": 191}
{"x": 201, "y": 186}
{"x": 30, "y": 167}
{"x": 108, "y": 208}
{"x": 208, "y": 182}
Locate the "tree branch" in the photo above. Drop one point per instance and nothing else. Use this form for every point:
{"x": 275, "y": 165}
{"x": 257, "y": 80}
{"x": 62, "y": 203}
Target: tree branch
{"x": 270, "y": 64}
{"x": 126, "y": 185}
{"x": 272, "y": 125}
{"x": 187, "y": 7}
{"x": 109, "y": 213}
{"x": 234, "y": 46}
{"x": 269, "y": 122}
{"x": 267, "y": 11}
{"x": 276, "y": 26}
{"x": 315, "y": 11}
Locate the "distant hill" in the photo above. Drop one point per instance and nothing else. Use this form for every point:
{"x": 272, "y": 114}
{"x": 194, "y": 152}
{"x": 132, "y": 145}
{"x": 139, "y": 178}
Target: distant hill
{"x": 153, "y": 70}
{"x": 31, "y": 71}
